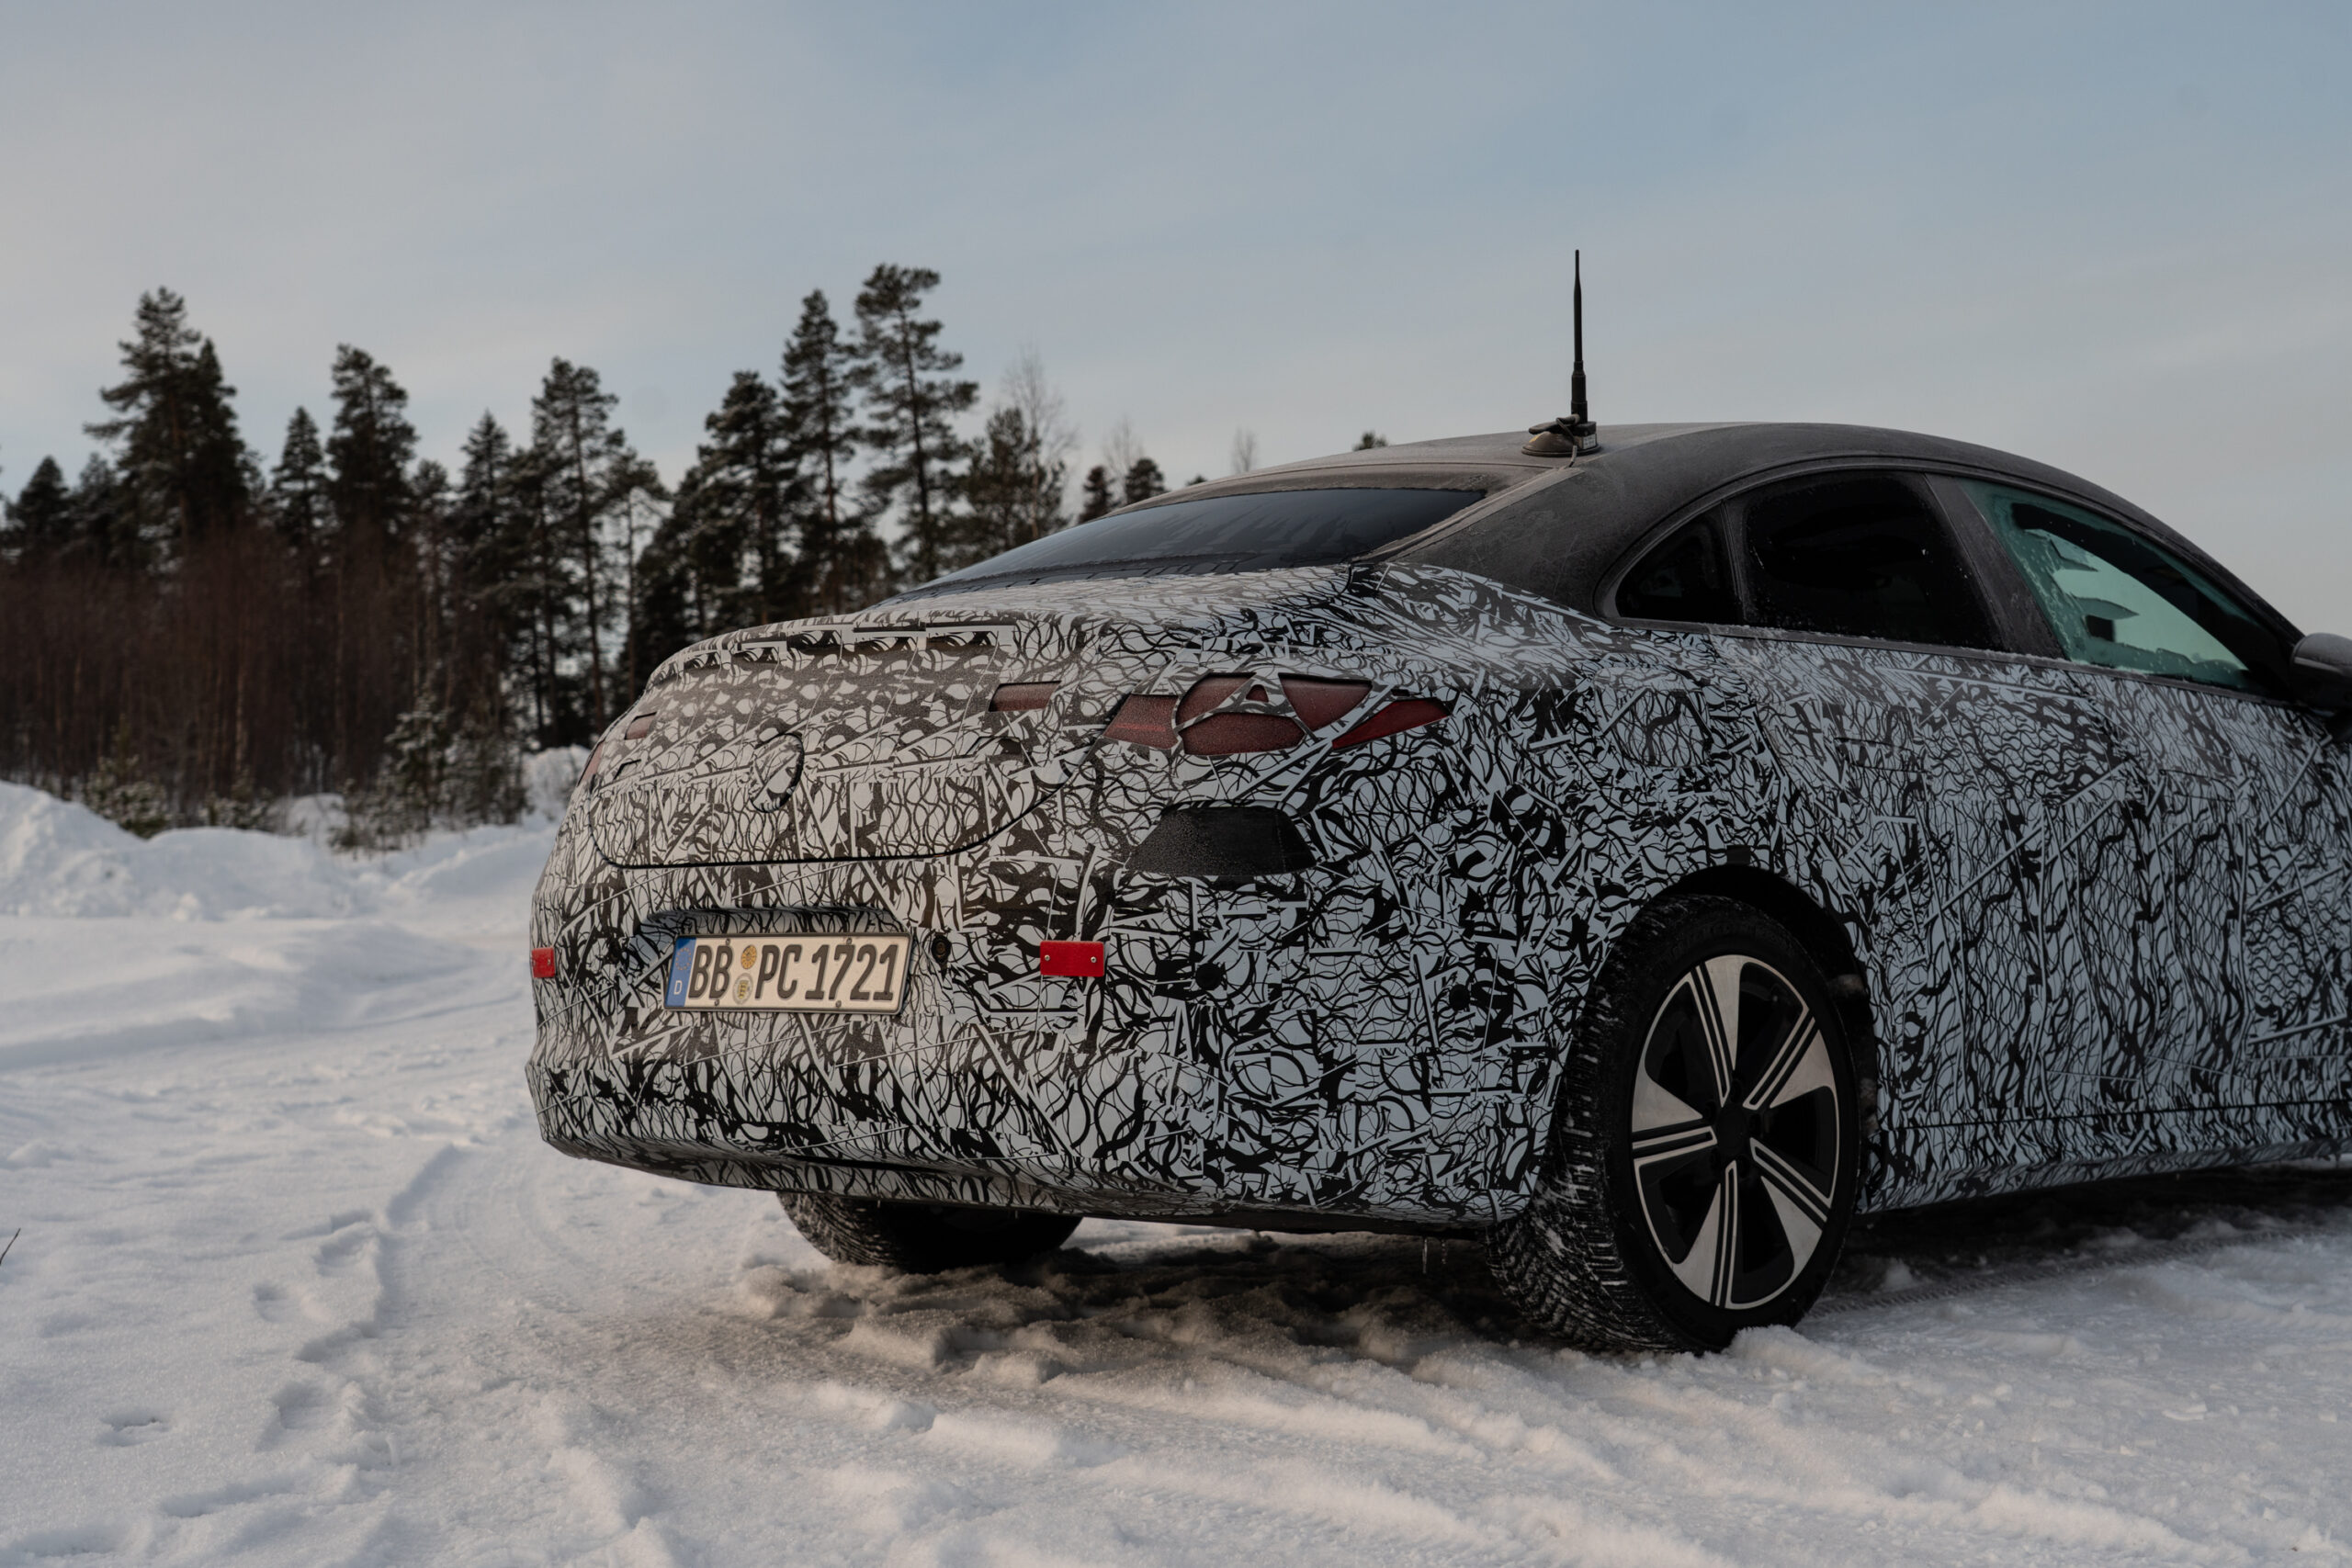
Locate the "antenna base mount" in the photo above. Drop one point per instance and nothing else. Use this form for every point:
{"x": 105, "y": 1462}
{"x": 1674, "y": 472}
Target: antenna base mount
{"x": 1562, "y": 437}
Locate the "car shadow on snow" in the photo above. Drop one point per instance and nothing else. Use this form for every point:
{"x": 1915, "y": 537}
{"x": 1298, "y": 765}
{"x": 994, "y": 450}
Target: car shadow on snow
{"x": 1395, "y": 1299}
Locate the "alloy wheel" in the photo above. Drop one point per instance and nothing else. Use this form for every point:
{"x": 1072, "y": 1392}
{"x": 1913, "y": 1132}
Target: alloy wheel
{"x": 1737, "y": 1127}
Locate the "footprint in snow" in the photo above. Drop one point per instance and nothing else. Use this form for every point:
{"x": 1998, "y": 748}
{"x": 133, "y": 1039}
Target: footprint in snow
{"x": 127, "y": 1428}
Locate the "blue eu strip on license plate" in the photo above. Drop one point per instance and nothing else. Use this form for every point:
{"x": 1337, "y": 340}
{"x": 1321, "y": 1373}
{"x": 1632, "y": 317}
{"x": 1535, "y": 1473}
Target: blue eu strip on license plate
{"x": 803, "y": 972}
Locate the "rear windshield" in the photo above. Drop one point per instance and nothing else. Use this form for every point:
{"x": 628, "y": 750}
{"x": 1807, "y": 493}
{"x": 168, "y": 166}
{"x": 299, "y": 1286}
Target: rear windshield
{"x": 1219, "y": 533}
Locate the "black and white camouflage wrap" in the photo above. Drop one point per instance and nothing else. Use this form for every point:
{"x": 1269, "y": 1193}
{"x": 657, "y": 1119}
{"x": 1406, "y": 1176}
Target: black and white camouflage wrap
{"x": 2104, "y": 921}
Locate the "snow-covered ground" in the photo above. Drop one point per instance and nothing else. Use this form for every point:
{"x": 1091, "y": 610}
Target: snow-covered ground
{"x": 298, "y": 1284}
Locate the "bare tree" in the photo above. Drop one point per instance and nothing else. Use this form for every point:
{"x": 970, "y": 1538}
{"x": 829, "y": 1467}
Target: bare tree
{"x": 1122, "y": 447}
{"x": 1245, "y": 451}
{"x": 1053, "y": 438}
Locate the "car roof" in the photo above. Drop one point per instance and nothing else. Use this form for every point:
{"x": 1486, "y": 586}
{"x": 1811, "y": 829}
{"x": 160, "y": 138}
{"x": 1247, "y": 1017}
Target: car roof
{"x": 1564, "y": 523}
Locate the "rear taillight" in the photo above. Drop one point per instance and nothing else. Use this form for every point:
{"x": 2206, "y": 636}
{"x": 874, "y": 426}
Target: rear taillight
{"x": 640, "y": 727}
{"x": 1025, "y": 697}
{"x": 1232, "y": 734}
{"x": 1405, "y": 713}
{"x": 1318, "y": 702}
{"x": 1224, "y": 716}
{"x": 1145, "y": 721}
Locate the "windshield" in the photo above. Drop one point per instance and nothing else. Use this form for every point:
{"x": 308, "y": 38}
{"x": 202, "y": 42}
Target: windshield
{"x": 1220, "y": 533}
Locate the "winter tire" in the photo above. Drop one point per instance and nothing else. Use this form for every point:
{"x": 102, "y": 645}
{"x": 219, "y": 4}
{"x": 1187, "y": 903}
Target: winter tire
{"x": 1705, "y": 1143}
{"x": 922, "y": 1238}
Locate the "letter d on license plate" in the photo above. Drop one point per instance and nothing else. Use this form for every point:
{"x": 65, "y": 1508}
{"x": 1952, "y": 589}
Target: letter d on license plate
{"x": 810, "y": 973}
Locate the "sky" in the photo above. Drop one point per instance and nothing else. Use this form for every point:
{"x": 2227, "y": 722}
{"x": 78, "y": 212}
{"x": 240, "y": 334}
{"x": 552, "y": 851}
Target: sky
{"x": 2114, "y": 238}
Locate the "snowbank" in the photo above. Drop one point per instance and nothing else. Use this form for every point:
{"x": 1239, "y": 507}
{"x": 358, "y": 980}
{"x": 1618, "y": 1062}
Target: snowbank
{"x": 112, "y": 945}
{"x": 59, "y": 859}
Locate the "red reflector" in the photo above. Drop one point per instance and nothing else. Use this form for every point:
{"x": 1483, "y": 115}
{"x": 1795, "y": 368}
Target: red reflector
{"x": 1230, "y": 734}
{"x": 1145, "y": 721}
{"x": 1406, "y": 713}
{"x": 1023, "y": 697}
{"x": 543, "y": 964}
{"x": 1079, "y": 958}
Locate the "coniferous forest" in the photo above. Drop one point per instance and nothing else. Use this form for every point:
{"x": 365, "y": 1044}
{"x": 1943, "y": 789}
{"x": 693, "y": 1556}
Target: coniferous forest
{"x": 195, "y": 630}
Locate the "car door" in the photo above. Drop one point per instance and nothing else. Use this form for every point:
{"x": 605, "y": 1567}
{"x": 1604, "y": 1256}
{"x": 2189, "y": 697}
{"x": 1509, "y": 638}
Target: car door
{"x": 1932, "y": 768}
{"x": 2240, "y": 880}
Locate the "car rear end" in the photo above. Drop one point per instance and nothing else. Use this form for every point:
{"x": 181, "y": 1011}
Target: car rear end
{"x": 978, "y": 898}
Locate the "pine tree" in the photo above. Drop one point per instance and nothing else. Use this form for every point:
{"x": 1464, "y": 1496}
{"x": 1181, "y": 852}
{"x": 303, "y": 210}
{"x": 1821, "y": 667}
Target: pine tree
{"x": 369, "y": 451}
{"x": 182, "y": 463}
{"x": 41, "y": 519}
{"x": 1015, "y": 488}
{"x": 1096, "y": 493}
{"x": 912, "y": 397}
{"x": 1371, "y": 441}
{"x": 543, "y": 583}
{"x": 298, "y": 487}
{"x": 106, "y": 529}
{"x": 590, "y": 477}
{"x": 492, "y": 617}
{"x": 840, "y": 557}
{"x": 1143, "y": 481}
{"x": 738, "y": 503}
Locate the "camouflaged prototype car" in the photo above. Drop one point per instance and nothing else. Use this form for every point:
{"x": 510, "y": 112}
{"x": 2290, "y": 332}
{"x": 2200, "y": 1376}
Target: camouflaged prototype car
{"x": 1644, "y": 857}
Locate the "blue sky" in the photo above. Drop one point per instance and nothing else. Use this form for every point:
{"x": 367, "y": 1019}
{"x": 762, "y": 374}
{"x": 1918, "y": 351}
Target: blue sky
{"x": 2115, "y": 238}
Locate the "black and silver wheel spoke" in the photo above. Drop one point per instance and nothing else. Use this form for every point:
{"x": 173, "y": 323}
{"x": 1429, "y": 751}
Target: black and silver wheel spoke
{"x": 1801, "y": 1207}
{"x": 1736, "y": 1124}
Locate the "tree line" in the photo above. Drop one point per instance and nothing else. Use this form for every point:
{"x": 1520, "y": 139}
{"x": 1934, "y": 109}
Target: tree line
{"x": 193, "y": 635}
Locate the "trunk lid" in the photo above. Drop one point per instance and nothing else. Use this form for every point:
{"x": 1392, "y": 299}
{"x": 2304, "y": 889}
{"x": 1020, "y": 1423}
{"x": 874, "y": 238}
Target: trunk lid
{"x": 851, "y": 741}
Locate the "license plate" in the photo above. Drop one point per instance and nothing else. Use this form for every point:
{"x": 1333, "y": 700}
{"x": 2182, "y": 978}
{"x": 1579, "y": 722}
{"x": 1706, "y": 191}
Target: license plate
{"x": 810, "y": 973}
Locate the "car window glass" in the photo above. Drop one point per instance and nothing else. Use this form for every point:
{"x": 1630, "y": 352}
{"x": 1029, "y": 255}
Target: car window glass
{"x": 2115, "y": 599}
{"x": 1861, "y": 555}
{"x": 1257, "y": 532}
{"x": 1685, "y": 579}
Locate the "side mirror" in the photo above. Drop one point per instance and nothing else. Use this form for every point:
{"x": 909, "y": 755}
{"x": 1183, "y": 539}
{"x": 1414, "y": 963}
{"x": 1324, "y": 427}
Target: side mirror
{"x": 2320, "y": 673}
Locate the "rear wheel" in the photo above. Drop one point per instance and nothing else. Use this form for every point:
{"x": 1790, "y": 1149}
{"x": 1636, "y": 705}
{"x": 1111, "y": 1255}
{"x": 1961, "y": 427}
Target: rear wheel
{"x": 922, "y": 1238}
{"x": 1705, "y": 1145}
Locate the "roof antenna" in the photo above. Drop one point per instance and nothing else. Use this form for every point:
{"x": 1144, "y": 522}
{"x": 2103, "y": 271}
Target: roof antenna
{"x": 1572, "y": 436}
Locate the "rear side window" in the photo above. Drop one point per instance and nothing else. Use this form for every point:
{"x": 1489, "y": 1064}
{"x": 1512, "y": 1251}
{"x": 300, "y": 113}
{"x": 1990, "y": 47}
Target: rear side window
{"x": 1859, "y": 556}
{"x": 1221, "y": 533}
{"x": 1685, "y": 579}
{"x": 2118, "y": 599}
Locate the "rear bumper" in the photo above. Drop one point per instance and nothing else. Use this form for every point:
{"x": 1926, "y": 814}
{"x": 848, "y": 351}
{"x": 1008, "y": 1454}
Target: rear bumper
{"x": 993, "y": 1083}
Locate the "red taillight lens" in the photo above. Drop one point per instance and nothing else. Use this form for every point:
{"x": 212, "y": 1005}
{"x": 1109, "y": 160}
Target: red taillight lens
{"x": 1082, "y": 960}
{"x": 543, "y": 964}
{"x": 1194, "y": 722}
{"x": 595, "y": 755}
{"x": 1145, "y": 721}
{"x": 640, "y": 727}
{"x": 1318, "y": 702}
{"x": 1232, "y": 734}
{"x": 1210, "y": 691}
{"x": 1023, "y": 697}
{"x": 1405, "y": 713}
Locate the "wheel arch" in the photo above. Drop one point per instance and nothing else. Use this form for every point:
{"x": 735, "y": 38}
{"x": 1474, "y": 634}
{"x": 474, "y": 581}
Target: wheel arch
{"x": 1826, "y": 940}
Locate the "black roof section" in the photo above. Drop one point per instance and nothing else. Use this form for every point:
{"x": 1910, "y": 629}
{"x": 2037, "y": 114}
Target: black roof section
{"x": 1559, "y": 525}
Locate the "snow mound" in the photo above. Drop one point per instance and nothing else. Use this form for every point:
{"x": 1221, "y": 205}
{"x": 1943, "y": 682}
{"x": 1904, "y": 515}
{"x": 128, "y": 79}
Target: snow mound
{"x": 549, "y": 777}
{"x": 62, "y": 860}
{"x": 59, "y": 859}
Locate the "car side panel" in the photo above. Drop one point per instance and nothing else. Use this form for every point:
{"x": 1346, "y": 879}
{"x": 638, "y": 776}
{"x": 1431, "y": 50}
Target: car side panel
{"x": 1379, "y": 1037}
